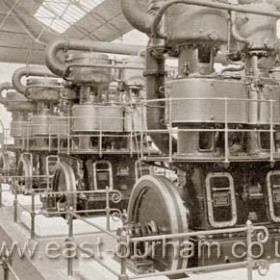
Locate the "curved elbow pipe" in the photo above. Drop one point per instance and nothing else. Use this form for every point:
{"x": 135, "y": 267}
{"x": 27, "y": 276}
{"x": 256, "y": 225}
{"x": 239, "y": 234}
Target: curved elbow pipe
{"x": 208, "y": 4}
{"x": 135, "y": 15}
{"x": 4, "y": 86}
{"x": 35, "y": 71}
{"x": 58, "y": 67}
{"x": 235, "y": 33}
{"x": 233, "y": 68}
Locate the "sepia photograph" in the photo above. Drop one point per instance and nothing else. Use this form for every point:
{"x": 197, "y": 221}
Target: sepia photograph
{"x": 139, "y": 139}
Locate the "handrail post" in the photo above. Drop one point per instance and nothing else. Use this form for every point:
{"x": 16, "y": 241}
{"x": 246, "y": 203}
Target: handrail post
{"x": 70, "y": 222}
{"x": 69, "y": 241}
{"x": 170, "y": 129}
{"x": 33, "y": 215}
{"x": 4, "y": 262}
{"x": 123, "y": 253}
{"x": 15, "y": 188}
{"x": 142, "y": 131}
{"x": 250, "y": 263}
{"x": 107, "y": 208}
{"x": 68, "y": 135}
{"x": 226, "y": 132}
{"x": 272, "y": 151}
{"x": 1, "y": 192}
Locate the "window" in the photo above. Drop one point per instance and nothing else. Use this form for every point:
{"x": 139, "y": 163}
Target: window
{"x": 60, "y": 15}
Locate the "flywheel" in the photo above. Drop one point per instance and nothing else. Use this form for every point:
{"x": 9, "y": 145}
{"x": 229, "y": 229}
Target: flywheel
{"x": 25, "y": 172}
{"x": 156, "y": 202}
{"x": 64, "y": 181}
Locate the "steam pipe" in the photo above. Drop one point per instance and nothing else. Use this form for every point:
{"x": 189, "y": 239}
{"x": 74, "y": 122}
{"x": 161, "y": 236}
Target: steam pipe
{"x": 58, "y": 67}
{"x": 4, "y": 86}
{"x": 213, "y": 5}
{"x": 135, "y": 15}
{"x": 235, "y": 33}
{"x": 233, "y": 68}
{"x": 35, "y": 71}
{"x": 155, "y": 77}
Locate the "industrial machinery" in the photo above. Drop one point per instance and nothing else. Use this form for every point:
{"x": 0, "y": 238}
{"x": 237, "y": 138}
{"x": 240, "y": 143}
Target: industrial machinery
{"x": 44, "y": 130}
{"x": 105, "y": 120}
{"x": 219, "y": 129}
{"x": 20, "y": 109}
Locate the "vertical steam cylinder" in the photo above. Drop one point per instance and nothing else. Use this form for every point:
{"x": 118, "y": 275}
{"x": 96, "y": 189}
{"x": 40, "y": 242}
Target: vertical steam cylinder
{"x": 92, "y": 114}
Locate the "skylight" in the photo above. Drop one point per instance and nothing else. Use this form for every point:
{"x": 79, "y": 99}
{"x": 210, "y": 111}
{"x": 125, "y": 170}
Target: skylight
{"x": 60, "y": 15}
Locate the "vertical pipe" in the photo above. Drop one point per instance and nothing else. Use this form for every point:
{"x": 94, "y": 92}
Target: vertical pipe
{"x": 155, "y": 78}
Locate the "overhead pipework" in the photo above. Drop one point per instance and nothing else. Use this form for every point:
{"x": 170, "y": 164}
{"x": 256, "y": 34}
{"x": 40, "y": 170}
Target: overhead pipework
{"x": 226, "y": 124}
{"x": 29, "y": 71}
{"x": 58, "y": 67}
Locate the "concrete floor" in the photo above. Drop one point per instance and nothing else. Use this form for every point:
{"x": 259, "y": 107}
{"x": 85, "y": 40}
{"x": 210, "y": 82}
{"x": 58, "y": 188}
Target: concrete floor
{"x": 88, "y": 268}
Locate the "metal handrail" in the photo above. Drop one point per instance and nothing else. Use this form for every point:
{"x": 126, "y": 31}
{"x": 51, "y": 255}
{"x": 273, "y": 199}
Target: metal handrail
{"x": 108, "y": 210}
{"x": 171, "y": 131}
{"x": 249, "y": 263}
{"x": 262, "y": 236}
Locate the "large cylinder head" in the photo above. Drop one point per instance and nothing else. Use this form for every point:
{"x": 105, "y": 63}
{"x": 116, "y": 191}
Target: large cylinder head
{"x": 83, "y": 70}
{"x": 43, "y": 89}
{"x": 17, "y": 102}
{"x": 191, "y": 24}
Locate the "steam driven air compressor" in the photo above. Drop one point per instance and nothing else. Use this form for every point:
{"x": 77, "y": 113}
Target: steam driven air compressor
{"x": 219, "y": 129}
{"x": 105, "y": 119}
{"x": 44, "y": 131}
{"x": 20, "y": 109}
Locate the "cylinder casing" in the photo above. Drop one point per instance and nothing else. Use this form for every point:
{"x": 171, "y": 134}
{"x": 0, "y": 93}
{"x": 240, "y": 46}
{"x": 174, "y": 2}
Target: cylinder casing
{"x": 87, "y": 118}
{"x": 206, "y": 101}
{"x": 48, "y": 125}
{"x": 19, "y": 129}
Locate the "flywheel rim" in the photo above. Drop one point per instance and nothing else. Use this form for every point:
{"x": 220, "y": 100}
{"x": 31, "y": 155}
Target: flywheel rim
{"x": 4, "y": 164}
{"x": 64, "y": 180}
{"x": 176, "y": 211}
{"x": 24, "y": 169}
